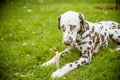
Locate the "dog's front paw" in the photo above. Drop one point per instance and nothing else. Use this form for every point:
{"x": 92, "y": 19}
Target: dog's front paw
{"x": 44, "y": 64}
{"x": 118, "y": 49}
{"x": 58, "y": 73}
{"x": 52, "y": 61}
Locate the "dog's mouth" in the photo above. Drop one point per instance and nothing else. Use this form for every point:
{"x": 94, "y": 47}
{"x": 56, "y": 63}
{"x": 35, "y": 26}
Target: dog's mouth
{"x": 69, "y": 43}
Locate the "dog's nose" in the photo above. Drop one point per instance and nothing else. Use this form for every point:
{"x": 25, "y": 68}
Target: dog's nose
{"x": 68, "y": 42}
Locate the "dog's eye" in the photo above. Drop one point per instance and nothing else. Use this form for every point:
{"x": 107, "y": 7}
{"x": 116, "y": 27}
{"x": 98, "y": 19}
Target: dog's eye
{"x": 72, "y": 27}
{"x": 63, "y": 28}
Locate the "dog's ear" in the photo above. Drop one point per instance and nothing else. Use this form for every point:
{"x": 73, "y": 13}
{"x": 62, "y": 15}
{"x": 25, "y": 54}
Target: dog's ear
{"x": 59, "y": 22}
{"x": 82, "y": 22}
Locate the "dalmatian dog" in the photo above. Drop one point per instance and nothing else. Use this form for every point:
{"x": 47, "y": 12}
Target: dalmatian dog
{"x": 87, "y": 37}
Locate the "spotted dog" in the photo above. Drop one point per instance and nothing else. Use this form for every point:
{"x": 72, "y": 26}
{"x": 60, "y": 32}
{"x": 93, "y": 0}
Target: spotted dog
{"x": 87, "y": 37}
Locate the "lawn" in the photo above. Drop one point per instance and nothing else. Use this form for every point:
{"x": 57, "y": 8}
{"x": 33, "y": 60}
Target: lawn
{"x": 29, "y": 37}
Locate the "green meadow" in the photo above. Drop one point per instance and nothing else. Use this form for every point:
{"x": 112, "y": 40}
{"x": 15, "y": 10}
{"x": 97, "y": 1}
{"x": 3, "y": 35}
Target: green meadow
{"x": 29, "y": 36}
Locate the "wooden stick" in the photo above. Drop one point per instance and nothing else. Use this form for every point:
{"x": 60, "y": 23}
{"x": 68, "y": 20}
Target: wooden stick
{"x": 57, "y": 60}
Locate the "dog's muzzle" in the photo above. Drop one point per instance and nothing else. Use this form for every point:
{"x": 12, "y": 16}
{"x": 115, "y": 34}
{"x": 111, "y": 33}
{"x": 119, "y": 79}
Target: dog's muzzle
{"x": 68, "y": 41}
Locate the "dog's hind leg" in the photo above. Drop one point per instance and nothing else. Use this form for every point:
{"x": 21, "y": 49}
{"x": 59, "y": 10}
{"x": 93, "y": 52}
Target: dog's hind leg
{"x": 114, "y": 34}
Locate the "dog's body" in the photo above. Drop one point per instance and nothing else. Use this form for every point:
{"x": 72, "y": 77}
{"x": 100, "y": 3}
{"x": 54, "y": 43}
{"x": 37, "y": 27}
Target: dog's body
{"x": 85, "y": 36}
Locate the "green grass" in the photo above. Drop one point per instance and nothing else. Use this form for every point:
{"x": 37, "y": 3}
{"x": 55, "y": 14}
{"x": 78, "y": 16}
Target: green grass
{"x": 28, "y": 29}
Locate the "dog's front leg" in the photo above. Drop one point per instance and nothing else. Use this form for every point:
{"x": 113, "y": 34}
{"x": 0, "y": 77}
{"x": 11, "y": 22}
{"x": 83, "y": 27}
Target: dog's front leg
{"x": 85, "y": 58}
{"x": 61, "y": 54}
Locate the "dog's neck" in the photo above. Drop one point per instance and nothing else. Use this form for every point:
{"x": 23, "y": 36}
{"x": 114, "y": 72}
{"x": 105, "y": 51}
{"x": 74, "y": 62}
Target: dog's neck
{"x": 81, "y": 32}
{"x": 79, "y": 35}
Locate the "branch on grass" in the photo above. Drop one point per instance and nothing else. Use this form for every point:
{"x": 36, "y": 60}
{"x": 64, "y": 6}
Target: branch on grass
{"x": 57, "y": 60}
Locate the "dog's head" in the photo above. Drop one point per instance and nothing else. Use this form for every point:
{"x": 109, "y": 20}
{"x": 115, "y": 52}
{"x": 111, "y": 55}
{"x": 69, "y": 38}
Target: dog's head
{"x": 71, "y": 23}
